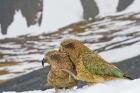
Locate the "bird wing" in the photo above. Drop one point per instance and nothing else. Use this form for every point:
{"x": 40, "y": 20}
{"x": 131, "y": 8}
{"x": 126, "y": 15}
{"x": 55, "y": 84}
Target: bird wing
{"x": 95, "y": 64}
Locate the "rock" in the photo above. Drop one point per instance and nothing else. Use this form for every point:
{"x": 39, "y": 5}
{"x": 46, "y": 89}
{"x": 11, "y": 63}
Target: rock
{"x": 123, "y": 4}
{"x": 90, "y": 9}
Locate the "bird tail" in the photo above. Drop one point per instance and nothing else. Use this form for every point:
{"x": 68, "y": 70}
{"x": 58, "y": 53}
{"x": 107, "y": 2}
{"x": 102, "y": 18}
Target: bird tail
{"x": 128, "y": 77}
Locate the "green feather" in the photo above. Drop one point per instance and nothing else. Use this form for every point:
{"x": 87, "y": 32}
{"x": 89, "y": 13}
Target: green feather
{"x": 95, "y": 64}
{"x": 117, "y": 73}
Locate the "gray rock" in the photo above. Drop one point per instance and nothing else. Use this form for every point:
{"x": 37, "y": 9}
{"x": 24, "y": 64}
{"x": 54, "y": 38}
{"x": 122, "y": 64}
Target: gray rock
{"x": 90, "y": 9}
{"x": 123, "y": 4}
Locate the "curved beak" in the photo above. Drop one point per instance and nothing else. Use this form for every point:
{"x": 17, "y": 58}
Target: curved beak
{"x": 43, "y": 61}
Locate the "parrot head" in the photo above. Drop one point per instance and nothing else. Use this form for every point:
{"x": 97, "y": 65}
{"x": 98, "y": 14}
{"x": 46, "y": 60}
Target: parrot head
{"x": 73, "y": 47}
{"x": 53, "y": 57}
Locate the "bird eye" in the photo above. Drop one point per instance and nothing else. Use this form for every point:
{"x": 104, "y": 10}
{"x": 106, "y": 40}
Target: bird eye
{"x": 70, "y": 45}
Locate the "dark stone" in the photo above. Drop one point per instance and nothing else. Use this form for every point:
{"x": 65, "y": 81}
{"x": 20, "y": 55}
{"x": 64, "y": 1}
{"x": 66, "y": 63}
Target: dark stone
{"x": 130, "y": 67}
{"x": 123, "y": 4}
{"x": 29, "y": 9}
{"x": 33, "y": 81}
{"x": 90, "y": 9}
{"x": 7, "y": 11}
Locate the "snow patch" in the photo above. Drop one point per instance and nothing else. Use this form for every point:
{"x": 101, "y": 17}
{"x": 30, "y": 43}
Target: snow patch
{"x": 114, "y": 86}
{"x": 121, "y": 54}
{"x": 62, "y": 13}
{"x": 107, "y": 7}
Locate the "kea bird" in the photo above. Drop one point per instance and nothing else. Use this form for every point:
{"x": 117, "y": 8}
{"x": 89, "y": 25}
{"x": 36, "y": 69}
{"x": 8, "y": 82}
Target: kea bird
{"x": 57, "y": 77}
{"x": 90, "y": 67}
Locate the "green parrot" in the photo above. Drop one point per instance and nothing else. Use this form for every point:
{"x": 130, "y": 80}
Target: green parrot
{"x": 90, "y": 67}
{"x": 57, "y": 77}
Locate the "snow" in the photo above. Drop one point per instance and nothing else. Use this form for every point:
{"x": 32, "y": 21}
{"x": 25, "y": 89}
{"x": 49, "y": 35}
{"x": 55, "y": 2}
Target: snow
{"x": 12, "y": 45}
{"x": 107, "y": 7}
{"x": 121, "y": 54}
{"x": 114, "y": 86}
{"x": 62, "y": 13}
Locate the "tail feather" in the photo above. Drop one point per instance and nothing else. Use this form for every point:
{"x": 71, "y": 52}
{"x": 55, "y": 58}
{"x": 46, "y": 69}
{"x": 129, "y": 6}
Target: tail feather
{"x": 128, "y": 77}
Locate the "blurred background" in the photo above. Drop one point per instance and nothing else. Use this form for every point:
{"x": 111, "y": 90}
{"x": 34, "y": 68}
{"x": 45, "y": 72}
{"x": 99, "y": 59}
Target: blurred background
{"x": 29, "y": 28}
